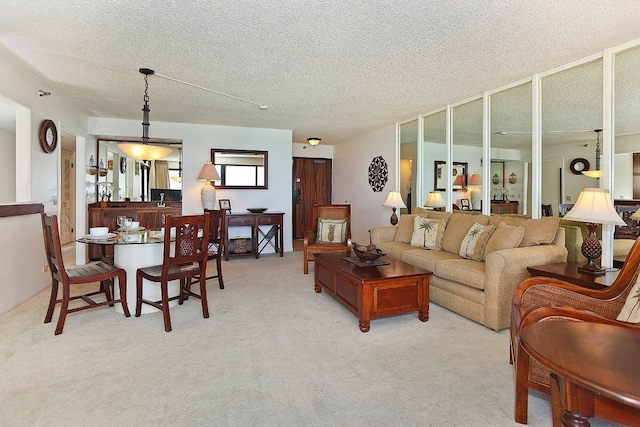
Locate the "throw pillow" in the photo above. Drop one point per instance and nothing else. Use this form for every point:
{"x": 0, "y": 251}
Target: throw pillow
{"x": 331, "y": 231}
{"x": 504, "y": 237}
{"x": 474, "y": 243}
{"x": 540, "y": 231}
{"x": 631, "y": 310}
{"x": 404, "y": 229}
{"x": 427, "y": 233}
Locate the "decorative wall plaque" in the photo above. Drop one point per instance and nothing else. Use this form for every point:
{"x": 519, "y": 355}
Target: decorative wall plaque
{"x": 378, "y": 174}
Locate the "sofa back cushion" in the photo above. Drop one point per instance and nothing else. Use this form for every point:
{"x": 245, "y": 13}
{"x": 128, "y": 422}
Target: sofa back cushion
{"x": 427, "y": 233}
{"x": 540, "y": 231}
{"x": 475, "y": 241}
{"x": 404, "y": 229}
{"x": 457, "y": 228}
{"x": 504, "y": 237}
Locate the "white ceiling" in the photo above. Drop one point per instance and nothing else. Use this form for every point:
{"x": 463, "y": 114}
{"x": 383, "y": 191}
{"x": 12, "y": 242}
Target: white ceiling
{"x": 333, "y": 69}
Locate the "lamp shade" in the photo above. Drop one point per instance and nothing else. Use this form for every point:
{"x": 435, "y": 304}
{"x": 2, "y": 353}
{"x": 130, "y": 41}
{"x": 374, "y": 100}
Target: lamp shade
{"x": 434, "y": 200}
{"x": 636, "y": 215}
{"x": 475, "y": 179}
{"x": 209, "y": 173}
{"x": 459, "y": 181}
{"x": 394, "y": 200}
{"x": 144, "y": 151}
{"x": 594, "y": 205}
{"x": 593, "y": 173}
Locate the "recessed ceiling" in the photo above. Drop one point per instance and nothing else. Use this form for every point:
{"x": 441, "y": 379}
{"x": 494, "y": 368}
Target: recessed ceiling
{"x": 331, "y": 69}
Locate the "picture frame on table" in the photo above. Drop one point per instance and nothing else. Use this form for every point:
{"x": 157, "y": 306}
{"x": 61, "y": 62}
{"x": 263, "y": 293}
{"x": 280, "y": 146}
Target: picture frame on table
{"x": 465, "y": 204}
{"x": 225, "y": 204}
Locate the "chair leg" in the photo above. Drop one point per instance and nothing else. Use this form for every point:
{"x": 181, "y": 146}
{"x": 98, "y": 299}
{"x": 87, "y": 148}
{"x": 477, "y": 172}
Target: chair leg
{"x": 522, "y": 362}
{"x": 122, "y": 284}
{"x": 219, "y": 267}
{"x": 52, "y": 301}
{"x": 164, "y": 287}
{"x": 138, "y": 295}
{"x": 64, "y": 306}
{"x": 107, "y": 287}
{"x": 306, "y": 263}
{"x": 203, "y": 297}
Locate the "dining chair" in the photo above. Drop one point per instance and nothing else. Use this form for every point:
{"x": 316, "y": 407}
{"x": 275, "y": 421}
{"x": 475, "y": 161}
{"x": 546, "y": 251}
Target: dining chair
{"x": 217, "y": 230}
{"x": 183, "y": 260}
{"x": 100, "y": 272}
{"x": 547, "y": 210}
{"x": 331, "y": 231}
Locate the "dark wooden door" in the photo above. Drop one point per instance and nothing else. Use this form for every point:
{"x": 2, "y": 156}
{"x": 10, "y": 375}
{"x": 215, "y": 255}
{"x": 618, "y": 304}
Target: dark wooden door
{"x": 636, "y": 175}
{"x": 311, "y": 185}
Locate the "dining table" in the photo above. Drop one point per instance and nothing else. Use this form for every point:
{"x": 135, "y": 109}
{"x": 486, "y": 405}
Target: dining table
{"x": 132, "y": 250}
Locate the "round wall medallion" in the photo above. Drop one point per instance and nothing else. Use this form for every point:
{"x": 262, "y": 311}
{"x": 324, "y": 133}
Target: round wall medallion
{"x": 48, "y": 136}
{"x": 378, "y": 174}
{"x": 579, "y": 165}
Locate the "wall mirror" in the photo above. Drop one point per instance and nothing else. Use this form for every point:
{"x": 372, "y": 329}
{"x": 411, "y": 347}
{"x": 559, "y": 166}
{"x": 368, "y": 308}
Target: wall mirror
{"x": 466, "y": 140}
{"x": 241, "y": 169}
{"x": 459, "y": 176}
{"x": 434, "y": 146}
{"x": 408, "y": 157}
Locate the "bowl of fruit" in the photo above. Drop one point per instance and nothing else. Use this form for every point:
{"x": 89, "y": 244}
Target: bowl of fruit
{"x": 367, "y": 253}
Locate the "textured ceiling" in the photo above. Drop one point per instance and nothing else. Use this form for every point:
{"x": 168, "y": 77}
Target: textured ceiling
{"x": 333, "y": 68}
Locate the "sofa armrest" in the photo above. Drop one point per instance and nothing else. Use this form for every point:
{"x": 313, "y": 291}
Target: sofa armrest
{"x": 383, "y": 234}
{"x": 504, "y": 270}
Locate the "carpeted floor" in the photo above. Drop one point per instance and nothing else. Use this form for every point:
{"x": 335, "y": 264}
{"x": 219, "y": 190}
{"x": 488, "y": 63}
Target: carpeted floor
{"x": 273, "y": 353}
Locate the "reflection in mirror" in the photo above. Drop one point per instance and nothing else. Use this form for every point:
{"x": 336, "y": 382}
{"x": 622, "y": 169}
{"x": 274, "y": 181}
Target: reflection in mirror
{"x": 571, "y": 111}
{"x": 467, "y": 146}
{"x": 7, "y": 152}
{"x": 433, "y": 147}
{"x": 511, "y": 148}
{"x": 408, "y": 152}
{"x": 241, "y": 169}
{"x": 122, "y": 178}
{"x": 627, "y": 125}
{"x": 459, "y": 176}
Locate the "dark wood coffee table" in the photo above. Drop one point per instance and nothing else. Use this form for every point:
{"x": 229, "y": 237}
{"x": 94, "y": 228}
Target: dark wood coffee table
{"x": 595, "y": 370}
{"x": 373, "y": 292}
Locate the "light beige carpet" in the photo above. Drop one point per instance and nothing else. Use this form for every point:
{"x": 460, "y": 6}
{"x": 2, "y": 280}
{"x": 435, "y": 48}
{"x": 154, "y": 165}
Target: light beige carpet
{"x": 273, "y": 353}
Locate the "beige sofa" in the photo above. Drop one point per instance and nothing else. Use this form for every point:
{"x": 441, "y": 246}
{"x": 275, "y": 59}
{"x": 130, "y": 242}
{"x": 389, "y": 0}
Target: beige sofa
{"x": 479, "y": 289}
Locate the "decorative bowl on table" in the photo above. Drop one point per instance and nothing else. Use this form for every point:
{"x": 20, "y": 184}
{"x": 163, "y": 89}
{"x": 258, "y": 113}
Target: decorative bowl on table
{"x": 367, "y": 253}
{"x": 257, "y": 210}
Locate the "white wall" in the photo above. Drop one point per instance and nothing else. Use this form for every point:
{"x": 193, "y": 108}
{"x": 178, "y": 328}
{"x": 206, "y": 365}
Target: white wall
{"x": 7, "y": 166}
{"x": 623, "y": 173}
{"x": 351, "y": 181}
{"x": 197, "y": 142}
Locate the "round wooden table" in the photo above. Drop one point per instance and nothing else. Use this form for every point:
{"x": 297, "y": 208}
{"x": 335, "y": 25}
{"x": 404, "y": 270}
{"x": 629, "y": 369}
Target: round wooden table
{"x": 596, "y": 369}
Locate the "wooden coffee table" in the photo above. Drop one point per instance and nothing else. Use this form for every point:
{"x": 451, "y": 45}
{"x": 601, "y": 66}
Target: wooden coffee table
{"x": 595, "y": 370}
{"x": 372, "y": 292}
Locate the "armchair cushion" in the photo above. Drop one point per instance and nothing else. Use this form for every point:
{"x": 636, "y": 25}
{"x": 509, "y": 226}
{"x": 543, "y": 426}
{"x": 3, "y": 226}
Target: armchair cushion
{"x": 332, "y": 231}
{"x": 427, "y": 233}
{"x": 631, "y": 309}
{"x": 475, "y": 241}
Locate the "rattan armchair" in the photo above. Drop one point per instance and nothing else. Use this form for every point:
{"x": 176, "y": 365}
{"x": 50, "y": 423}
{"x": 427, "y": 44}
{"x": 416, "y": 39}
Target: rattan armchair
{"x": 602, "y": 305}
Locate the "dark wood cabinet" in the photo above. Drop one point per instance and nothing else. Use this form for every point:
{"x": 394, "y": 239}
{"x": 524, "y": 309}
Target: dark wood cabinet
{"x": 500, "y": 208}
{"x": 147, "y": 213}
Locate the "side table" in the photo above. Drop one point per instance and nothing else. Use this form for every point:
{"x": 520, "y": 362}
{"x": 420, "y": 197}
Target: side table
{"x": 568, "y": 271}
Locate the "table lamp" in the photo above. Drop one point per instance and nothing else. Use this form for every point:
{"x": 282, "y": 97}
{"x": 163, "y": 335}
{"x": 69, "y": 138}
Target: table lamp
{"x": 208, "y": 191}
{"x": 594, "y": 206}
{"x": 636, "y": 215}
{"x": 458, "y": 183}
{"x": 434, "y": 201}
{"x": 394, "y": 200}
{"x": 476, "y": 194}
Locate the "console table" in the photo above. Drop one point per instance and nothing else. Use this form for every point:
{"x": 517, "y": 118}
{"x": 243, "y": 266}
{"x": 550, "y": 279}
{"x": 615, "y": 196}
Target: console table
{"x": 261, "y": 239}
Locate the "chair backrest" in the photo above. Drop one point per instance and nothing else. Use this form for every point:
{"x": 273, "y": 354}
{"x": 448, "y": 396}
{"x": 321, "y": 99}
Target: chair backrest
{"x": 191, "y": 240}
{"x": 332, "y": 212}
{"x": 217, "y": 220}
{"x": 547, "y": 210}
{"x": 563, "y": 208}
{"x": 52, "y": 245}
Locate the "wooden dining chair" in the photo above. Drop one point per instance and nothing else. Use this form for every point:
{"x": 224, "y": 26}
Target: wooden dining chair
{"x": 217, "y": 230}
{"x": 183, "y": 260}
{"x": 100, "y": 272}
{"x": 334, "y": 235}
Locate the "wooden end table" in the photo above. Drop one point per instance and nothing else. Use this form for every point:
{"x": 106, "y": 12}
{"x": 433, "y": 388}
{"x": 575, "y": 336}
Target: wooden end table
{"x": 372, "y": 292}
{"x": 568, "y": 271}
{"x": 595, "y": 370}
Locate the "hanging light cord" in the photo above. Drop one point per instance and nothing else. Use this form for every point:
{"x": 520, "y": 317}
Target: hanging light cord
{"x": 262, "y": 106}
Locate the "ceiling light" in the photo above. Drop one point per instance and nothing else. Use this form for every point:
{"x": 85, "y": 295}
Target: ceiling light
{"x": 597, "y": 173}
{"x": 314, "y": 141}
{"x": 145, "y": 151}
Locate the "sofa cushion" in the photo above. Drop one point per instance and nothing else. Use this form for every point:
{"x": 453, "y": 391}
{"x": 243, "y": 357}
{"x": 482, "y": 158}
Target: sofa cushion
{"x": 331, "y": 231}
{"x": 427, "y": 233}
{"x": 405, "y": 229}
{"x": 457, "y": 227}
{"x": 426, "y": 259}
{"x": 465, "y": 271}
{"x": 394, "y": 249}
{"x": 475, "y": 241}
{"x": 428, "y": 213}
{"x": 540, "y": 231}
{"x": 504, "y": 237}
{"x": 631, "y": 310}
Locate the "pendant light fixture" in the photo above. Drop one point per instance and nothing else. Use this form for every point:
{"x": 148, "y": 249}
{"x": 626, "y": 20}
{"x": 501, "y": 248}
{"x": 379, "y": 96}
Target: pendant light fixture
{"x": 145, "y": 151}
{"x": 597, "y": 173}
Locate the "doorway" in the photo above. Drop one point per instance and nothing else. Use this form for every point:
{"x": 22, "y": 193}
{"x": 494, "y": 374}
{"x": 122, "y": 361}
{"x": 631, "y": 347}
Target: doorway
{"x": 311, "y": 185}
{"x": 67, "y": 192}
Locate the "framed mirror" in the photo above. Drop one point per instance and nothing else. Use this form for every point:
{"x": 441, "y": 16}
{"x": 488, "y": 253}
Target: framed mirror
{"x": 459, "y": 176}
{"x": 241, "y": 169}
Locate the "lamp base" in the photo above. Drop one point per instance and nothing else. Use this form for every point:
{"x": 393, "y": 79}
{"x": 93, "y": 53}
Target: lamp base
{"x": 592, "y": 268}
{"x": 591, "y": 250}
{"x": 208, "y": 196}
{"x": 394, "y": 217}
